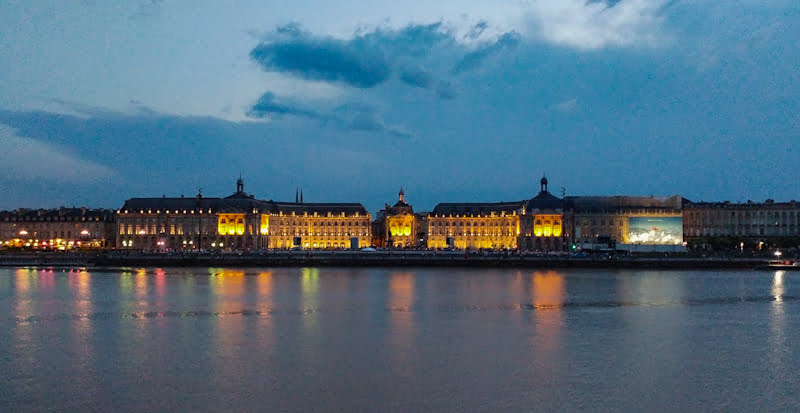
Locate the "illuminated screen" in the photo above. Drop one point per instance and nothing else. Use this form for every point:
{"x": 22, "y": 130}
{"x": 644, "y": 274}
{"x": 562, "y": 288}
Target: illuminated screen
{"x": 655, "y": 230}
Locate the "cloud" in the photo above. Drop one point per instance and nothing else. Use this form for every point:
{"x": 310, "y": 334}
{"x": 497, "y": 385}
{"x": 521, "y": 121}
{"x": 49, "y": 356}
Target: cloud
{"x": 364, "y": 61}
{"x": 267, "y": 105}
{"x": 365, "y": 118}
{"x": 29, "y": 158}
{"x": 589, "y": 25}
{"x": 474, "y": 58}
{"x": 417, "y": 77}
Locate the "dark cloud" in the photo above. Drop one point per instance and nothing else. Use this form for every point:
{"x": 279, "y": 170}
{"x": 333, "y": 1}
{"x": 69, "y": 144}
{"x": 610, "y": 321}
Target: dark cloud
{"x": 324, "y": 59}
{"x": 476, "y": 57}
{"x": 364, "y": 61}
{"x": 267, "y": 105}
{"x": 477, "y": 30}
{"x": 417, "y": 77}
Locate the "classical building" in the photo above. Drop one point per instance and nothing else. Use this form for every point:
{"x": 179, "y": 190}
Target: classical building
{"x": 318, "y": 225}
{"x": 627, "y": 219}
{"x": 239, "y": 221}
{"x": 398, "y": 226}
{"x": 59, "y": 229}
{"x": 542, "y": 222}
{"x": 750, "y": 220}
{"x": 474, "y": 225}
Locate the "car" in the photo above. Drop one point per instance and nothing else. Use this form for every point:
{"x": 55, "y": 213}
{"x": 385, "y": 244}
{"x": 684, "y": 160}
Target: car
{"x": 368, "y": 249}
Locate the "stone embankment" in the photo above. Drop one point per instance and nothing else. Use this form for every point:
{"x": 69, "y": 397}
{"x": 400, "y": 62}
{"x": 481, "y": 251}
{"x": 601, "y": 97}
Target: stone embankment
{"x": 371, "y": 259}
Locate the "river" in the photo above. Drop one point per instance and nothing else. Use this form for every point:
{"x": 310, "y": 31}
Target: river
{"x": 342, "y": 339}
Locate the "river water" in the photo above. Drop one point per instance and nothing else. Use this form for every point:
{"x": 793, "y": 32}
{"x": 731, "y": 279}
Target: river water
{"x": 398, "y": 339}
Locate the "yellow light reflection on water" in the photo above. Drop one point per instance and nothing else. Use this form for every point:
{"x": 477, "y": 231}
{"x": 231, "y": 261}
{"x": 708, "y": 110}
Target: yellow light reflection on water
{"x": 548, "y": 296}
{"x": 401, "y": 319}
{"x": 309, "y": 287}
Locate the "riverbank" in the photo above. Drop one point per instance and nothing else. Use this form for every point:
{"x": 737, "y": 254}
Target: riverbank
{"x": 372, "y": 259}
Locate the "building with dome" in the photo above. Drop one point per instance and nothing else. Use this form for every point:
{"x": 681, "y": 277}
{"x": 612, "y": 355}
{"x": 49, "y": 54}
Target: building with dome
{"x": 397, "y": 225}
{"x": 239, "y": 222}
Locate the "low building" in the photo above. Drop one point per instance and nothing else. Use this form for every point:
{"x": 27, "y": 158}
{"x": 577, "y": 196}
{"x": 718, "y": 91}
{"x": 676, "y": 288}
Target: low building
{"x": 57, "y": 229}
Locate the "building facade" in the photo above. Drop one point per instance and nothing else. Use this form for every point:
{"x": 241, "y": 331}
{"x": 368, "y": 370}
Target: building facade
{"x": 750, "y": 220}
{"x": 544, "y": 222}
{"x": 239, "y": 222}
{"x": 57, "y": 229}
{"x": 397, "y": 226}
{"x": 627, "y": 219}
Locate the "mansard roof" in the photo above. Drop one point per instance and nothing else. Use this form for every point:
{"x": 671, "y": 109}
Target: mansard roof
{"x": 475, "y": 208}
{"x": 320, "y": 208}
{"x": 545, "y": 200}
{"x": 58, "y": 214}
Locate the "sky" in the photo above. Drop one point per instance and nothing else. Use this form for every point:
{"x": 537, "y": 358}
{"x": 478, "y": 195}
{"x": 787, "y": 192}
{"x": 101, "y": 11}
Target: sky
{"x": 454, "y": 100}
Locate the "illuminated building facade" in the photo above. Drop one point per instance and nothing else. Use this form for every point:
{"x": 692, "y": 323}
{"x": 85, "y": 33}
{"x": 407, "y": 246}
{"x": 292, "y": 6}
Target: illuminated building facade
{"x": 238, "y": 222}
{"x": 57, "y": 229}
{"x": 542, "y": 222}
{"x": 474, "y": 225}
{"x": 398, "y": 226}
{"x": 319, "y": 225}
{"x": 769, "y": 219}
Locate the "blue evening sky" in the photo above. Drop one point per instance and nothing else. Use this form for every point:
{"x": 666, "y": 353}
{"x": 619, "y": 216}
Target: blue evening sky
{"x": 455, "y": 100}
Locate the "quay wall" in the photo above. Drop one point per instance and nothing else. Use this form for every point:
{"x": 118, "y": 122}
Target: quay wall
{"x": 372, "y": 259}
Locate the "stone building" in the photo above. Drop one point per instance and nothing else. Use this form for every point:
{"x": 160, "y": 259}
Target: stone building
{"x": 239, "y": 222}
{"x": 474, "y": 225}
{"x": 542, "y": 222}
{"x": 750, "y": 220}
{"x": 611, "y": 216}
{"x": 58, "y": 229}
{"x": 398, "y": 226}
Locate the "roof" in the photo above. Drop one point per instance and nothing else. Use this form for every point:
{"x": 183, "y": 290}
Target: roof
{"x": 58, "y": 214}
{"x": 320, "y": 208}
{"x": 475, "y": 208}
{"x": 545, "y": 200}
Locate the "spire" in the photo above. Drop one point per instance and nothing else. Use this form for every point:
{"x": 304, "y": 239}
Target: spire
{"x": 240, "y": 184}
{"x": 544, "y": 182}
{"x": 402, "y": 195}
{"x": 301, "y": 195}
{"x": 296, "y": 195}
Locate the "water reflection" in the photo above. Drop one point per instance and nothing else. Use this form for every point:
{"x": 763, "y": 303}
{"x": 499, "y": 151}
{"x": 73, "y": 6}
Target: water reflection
{"x": 401, "y": 321}
{"x": 309, "y": 300}
{"x": 548, "y": 294}
{"x": 777, "y": 286}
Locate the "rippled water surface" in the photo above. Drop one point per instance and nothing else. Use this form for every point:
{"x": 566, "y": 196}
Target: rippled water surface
{"x": 404, "y": 339}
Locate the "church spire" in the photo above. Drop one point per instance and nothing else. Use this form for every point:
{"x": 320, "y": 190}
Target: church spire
{"x": 296, "y": 195}
{"x": 301, "y": 195}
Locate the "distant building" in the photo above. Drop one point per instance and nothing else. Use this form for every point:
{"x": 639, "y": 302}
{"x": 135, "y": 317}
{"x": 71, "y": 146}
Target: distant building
{"x": 534, "y": 224}
{"x": 644, "y": 220}
{"x": 398, "y": 226}
{"x": 544, "y": 222}
{"x": 57, "y": 229}
{"x": 750, "y": 220}
{"x": 239, "y": 222}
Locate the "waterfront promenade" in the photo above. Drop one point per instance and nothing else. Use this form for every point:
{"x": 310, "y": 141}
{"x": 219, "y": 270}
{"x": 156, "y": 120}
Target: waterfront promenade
{"x": 396, "y": 258}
